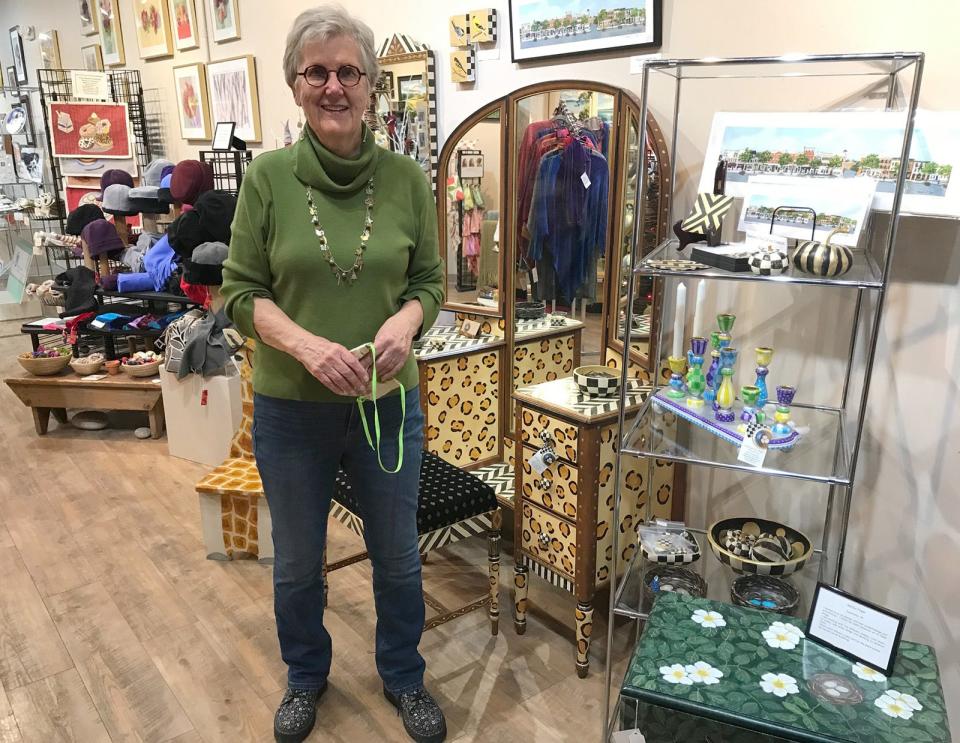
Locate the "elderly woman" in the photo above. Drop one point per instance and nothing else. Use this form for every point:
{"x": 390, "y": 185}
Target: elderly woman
{"x": 335, "y": 246}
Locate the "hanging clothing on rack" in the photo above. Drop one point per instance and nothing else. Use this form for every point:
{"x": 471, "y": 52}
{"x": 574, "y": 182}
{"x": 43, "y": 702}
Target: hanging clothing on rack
{"x": 472, "y": 225}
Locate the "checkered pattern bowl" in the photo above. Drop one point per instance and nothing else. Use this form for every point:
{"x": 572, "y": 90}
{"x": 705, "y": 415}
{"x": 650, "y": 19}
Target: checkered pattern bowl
{"x": 597, "y": 381}
{"x": 801, "y": 547}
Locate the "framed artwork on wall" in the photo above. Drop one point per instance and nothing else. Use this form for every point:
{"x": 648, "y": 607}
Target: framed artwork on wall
{"x": 111, "y": 36}
{"x": 91, "y": 167}
{"x": 564, "y": 28}
{"x": 12, "y": 76}
{"x": 49, "y": 50}
{"x": 410, "y": 86}
{"x": 100, "y": 130}
{"x": 193, "y": 107}
{"x": 92, "y": 57}
{"x": 224, "y": 20}
{"x": 184, "y": 24}
{"x": 88, "y": 17}
{"x": 153, "y": 28}
{"x": 232, "y": 85}
{"x": 16, "y": 45}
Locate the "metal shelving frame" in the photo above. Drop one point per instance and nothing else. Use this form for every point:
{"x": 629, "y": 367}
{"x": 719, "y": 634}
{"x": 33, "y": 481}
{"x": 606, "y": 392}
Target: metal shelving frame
{"x": 869, "y": 279}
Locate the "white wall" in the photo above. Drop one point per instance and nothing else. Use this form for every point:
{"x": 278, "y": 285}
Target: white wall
{"x": 904, "y": 548}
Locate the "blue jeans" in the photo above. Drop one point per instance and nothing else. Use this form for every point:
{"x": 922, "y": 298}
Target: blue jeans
{"x": 299, "y": 446}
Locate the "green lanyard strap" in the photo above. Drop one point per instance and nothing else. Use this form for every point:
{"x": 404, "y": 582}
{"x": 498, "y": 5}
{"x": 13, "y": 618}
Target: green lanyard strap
{"x": 376, "y": 417}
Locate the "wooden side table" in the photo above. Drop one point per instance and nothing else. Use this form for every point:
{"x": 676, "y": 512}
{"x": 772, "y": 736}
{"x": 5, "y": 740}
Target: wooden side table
{"x": 563, "y": 516}
{"x": 721, "y": 680}
{"x": 46, "y": 395}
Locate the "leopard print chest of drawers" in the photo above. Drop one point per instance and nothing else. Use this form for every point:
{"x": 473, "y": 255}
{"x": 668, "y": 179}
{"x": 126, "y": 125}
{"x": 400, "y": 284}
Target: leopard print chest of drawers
{"x": 564, "y": 514}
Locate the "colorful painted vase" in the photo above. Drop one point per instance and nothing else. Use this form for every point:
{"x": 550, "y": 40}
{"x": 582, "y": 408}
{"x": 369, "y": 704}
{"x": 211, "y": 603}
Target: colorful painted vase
{"x": 749, "y": 395}
{"x": 764, "y": 357}
{"x": 678, "y": 366}
{"x": 713, "y": 372}
{"x": 726, "y": 394}
{"x": 785, "y": 395}
{"x": 696, "y": 382}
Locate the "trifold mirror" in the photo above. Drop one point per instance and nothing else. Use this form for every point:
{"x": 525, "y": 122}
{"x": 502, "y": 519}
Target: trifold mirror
{"x": 403, "y": 105}
{"x": 536, "y": 197}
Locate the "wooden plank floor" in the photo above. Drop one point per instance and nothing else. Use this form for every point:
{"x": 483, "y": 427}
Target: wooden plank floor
{"x": 113, "y": 626}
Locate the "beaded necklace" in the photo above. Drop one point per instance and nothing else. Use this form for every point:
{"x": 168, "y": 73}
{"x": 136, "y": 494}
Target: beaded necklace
{"x": 348, "y": 275}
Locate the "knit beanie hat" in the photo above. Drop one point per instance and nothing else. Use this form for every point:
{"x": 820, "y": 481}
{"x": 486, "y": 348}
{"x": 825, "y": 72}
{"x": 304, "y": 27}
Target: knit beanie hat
{"x": 185, "y": 233}
{"x": 101, "y": 237}
{"x": 216, "y": 209}
{"x": 81, "y": 217}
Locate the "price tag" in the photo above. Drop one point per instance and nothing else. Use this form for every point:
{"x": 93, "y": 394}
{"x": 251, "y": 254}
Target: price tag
{"x": 535, "y": 275}
{"x": 537, "y": 464}
{"x": 203, "y": 398}
{"x": 753, "y": 450}
{"x": 585, "y": 179}
{"x": 627, "y": 736}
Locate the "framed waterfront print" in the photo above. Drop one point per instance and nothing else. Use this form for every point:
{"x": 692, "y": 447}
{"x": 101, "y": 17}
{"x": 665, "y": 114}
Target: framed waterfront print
{"x": 16, "y": 46}
{"x": 153, "y": 28}
{"x": 111, "y": 37}
{"x": 193, "y": 108}
{"x": 184, "y": 24}
{"x": 563, "y": 28}
{"x": 232, "y": 85}
{"x": 49, "y": 50}
{"x": 88, "y": 17}
{"x": 224, "y": 20}
{"x": 92, "y": 57}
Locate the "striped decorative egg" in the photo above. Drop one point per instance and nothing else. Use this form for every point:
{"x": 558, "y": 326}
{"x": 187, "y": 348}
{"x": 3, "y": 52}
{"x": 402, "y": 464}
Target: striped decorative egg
{"x": 823, "y": 259}
{"x": 771, "y": 548}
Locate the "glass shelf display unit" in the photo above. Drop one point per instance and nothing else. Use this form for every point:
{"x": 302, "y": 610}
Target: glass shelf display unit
{"x": 824, "y": 329}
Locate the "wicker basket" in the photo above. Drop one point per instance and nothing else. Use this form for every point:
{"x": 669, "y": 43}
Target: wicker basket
{"x": 43, "y": 367}
{"x": 85, "y": 367}
{"x": 531, "y": 310}
{"x": 765, "y": 592}
{"x": 142, "y": 370}
{"x": 680, "y": 580}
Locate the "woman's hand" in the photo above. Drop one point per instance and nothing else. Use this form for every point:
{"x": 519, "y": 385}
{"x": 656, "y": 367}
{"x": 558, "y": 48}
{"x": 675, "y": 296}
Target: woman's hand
{"x": 338, "y": 369}
{"x": 394, "y": 339}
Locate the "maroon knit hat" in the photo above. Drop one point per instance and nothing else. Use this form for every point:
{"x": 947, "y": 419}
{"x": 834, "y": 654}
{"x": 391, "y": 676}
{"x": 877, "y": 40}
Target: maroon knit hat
{"x": 190, "y": 179}
{"x": 111, "y": 177}
{"x": 101, "y": 237}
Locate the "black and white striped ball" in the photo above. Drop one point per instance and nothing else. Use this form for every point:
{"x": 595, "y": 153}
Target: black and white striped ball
{"x": 771, "y": 548}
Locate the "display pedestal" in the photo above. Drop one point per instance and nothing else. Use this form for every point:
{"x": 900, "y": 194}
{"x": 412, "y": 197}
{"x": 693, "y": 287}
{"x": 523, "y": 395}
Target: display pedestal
{"x": 201, "y": 429}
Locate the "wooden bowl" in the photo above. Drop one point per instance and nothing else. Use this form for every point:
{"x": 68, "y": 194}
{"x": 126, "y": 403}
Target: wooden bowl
{"x": 43, "y": 367}
{"x": 801, "y": 547}
{"x": 597, "y": 386}
{"x": 142, "y": 370}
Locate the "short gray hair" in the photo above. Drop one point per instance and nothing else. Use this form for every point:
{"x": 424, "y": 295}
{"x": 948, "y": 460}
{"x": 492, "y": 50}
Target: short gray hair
{"x": 322, "y": 23}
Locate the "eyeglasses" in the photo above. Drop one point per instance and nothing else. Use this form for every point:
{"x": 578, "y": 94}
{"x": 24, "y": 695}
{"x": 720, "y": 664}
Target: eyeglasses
{"x": 316, "y": 75}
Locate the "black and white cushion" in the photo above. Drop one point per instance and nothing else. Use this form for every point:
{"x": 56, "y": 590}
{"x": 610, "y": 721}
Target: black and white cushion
{"x": 447, "y": 496}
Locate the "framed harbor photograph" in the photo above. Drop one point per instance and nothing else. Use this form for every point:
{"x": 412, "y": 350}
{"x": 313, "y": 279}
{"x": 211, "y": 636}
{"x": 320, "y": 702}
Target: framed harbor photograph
{"x": 563, "y": 28}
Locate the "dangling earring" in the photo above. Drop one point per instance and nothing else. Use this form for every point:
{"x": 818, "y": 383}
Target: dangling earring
{"x": 303, "y": 132}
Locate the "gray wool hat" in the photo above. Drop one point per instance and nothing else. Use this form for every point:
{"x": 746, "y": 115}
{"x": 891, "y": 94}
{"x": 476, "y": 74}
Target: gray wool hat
{"x": 116, "y": 201}
{"x": 206, "y": 264}
{"x": 149, "y": 187}
{"x": 154, "y": 171}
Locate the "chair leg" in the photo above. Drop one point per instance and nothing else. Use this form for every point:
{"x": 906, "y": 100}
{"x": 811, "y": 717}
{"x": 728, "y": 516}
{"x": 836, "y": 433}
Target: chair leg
{"x": 584, "y": 617}
{"x": 493, "y": 559}
{"x": 520, "y": 598}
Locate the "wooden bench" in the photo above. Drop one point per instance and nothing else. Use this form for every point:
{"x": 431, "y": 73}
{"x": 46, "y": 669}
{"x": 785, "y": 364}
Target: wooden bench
{"x": 46, "y": 395}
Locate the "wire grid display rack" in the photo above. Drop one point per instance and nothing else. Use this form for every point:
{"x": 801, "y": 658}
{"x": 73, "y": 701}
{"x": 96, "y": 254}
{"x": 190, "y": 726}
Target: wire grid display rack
{"x": 829, "y": 455}
{"x": 56, "y": 86}
{"x": 229, "y": 167}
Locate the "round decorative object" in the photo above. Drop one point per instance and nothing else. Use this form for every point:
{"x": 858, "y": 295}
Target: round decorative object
{"x": 769, "y": 261}
{"x": 16, "y": 120}
{"x": 89, "y": 420}
{"x": 597, "y": 381}
{"x": 751, "y": 530}
{"x": 88, "y": 364}
{"x": 771, "y": 548}
{"x": 44, "y": 366}
{"x": 765, "y": 592}
{"x": 663, "y": 578}
{"x": 531, "y": 310}
{"x": 142, "y": 433}
{"x": 823, "y": 259}
{"x": 834, "y": 689}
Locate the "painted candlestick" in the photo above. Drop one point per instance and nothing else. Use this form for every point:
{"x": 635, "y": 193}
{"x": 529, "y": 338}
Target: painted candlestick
{"x": 724, "y": 339}
{"x": 696, "y": 383}
{"x": 749, "y": 395}
{"x": 726, "y": 393}
{"x": 677, "y": 367}
{"x": 785, "y": 395}
{"x": 713, "y": 372}
{"x": 764, "y": 356}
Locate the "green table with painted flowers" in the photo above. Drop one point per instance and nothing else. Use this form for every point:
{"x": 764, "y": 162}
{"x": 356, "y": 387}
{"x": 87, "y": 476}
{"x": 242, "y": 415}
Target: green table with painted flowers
{"x": 709, "y": 671}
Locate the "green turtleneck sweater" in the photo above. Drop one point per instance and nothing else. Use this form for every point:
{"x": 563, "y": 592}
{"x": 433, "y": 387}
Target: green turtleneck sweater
{"x": 275, "y": 253}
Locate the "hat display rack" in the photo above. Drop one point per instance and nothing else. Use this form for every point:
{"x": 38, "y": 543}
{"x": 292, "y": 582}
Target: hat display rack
{"x": 229, "y": 167}
{"x": 125, "y": 87}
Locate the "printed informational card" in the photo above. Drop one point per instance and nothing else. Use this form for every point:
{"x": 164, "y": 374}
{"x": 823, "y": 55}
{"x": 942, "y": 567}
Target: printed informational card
{"x": 855, "y": 628}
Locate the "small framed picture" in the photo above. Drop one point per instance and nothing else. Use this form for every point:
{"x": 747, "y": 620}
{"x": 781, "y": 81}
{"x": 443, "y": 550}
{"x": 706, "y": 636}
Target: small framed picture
{"x": 20, "y": 66}
{"x": 471, "y": 164}
{"x": 88, "y": 17}
{"x": 92, "y": 57}
{"x": 12, "y": 76}
{"x": 49, "y": 50}
{"x": 225, "y": 20}
{"x": 190, "y": 82}
{"x": 223, "y": 135}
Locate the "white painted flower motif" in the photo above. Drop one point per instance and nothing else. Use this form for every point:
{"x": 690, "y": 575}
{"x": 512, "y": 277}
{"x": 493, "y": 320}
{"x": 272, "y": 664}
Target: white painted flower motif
{"x": 895, "y": 704}
{"x": 704, "y": 673}
{"x": 779, "y": 684}
{"x": 780, "y": 638}
{"x": 676, "y": 674}
{"x": 787, "y": 627}
{"x": 708, "y": 618}
{"x": 867, "y": 673}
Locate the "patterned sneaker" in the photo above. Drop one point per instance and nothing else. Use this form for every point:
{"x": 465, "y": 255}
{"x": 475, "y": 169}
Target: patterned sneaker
{"x": 422, "y": 718}
{"x": 296, "y": 715}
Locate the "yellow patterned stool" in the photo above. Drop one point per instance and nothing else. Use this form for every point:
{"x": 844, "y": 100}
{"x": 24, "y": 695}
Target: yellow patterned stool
{"x": 233, "y": 512}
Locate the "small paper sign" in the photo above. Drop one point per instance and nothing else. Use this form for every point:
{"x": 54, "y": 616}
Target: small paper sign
{"x": 752, "y": 451}
{"x": 90, "y": 85}
{"x": 585, "y": 179}
{"x": 855, "y": 628}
